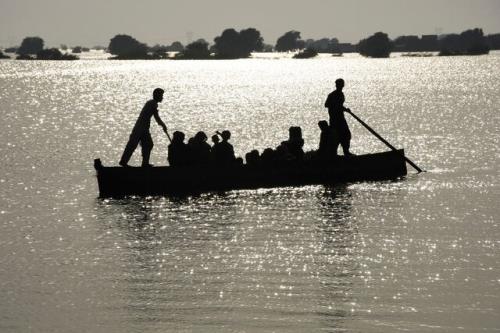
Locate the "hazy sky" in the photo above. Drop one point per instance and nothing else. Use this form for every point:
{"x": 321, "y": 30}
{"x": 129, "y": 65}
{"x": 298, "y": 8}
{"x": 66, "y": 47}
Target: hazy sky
{"x": 94, "y": 22}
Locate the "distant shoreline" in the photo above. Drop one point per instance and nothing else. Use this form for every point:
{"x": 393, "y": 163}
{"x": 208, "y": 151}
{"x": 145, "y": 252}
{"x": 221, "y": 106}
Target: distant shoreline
{"x": 99, "y": 55}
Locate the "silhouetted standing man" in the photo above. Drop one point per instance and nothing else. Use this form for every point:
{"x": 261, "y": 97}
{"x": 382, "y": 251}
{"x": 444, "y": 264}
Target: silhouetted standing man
{"x": 336, "y": 109}
{"x": 140, "y": 132}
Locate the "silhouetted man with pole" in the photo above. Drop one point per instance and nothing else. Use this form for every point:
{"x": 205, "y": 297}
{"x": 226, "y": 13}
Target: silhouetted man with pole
{"x": 140, "y": 132}
{"x": 336, "y": 109}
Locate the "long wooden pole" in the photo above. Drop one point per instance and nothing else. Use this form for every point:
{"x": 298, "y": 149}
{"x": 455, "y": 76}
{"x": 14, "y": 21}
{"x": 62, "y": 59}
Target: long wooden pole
{"x": 168, "y": 136}
{"x": 372, "y": 131}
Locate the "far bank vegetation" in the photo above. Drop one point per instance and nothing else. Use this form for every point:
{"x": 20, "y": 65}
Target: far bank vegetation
{"x": 233, "y": 44}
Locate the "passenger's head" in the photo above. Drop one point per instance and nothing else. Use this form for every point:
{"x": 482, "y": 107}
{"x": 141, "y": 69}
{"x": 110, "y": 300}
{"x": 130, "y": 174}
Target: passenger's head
{"x": 178, "y": 137}
{"x": 200, "y": 136}
{"x": 226, "y": 135}
{"x": 295, "y": 133}
{"x": 158, "y": 94}
{"x": 215, "y": 139}
{"x": 339, "y": 83}
{"x": 323, "y": 125}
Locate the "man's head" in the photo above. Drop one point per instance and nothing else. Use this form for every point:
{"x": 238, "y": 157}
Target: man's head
{"x": 226, "y": 135}
{"x": 215, "y": 139}
{"x": 339, "y": 83}
{"x": 200, "y": 136}
{"x": 158, "y": 94}
{"x": 178, "y": 136}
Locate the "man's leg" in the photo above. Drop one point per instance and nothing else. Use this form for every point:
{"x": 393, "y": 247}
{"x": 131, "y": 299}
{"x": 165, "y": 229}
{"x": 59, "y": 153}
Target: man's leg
{"x": 346, "y": 141}
{"x": 335, "y": 140}
{"x": 132, "y": 143}
{"x": 146, "y": 147}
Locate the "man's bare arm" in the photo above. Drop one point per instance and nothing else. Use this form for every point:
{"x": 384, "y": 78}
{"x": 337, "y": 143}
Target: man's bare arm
{"x": 160, "y": 122}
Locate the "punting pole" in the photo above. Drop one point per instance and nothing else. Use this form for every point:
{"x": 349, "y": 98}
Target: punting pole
{"x": 372, "y": 131}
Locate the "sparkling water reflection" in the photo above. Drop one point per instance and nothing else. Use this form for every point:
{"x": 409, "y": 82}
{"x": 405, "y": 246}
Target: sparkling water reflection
{"x": 418, "y": 254}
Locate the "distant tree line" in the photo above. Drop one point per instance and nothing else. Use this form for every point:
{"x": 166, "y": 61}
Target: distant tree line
{"x": 469, "y": 42}
{"x": 232, "y": 44}
{"x": 32, "y": 48}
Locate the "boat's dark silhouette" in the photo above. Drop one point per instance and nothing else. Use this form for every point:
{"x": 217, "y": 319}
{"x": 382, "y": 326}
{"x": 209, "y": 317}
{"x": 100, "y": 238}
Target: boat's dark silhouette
{"x": 198, "y": 167}
{"x": 117, "y": 181}
{"x": 140, "y": 132}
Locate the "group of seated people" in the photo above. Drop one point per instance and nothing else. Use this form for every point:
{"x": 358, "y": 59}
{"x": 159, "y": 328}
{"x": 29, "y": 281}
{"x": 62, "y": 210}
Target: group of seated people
{"x": 290, "y": 150}
{"x": 198, "y": 151}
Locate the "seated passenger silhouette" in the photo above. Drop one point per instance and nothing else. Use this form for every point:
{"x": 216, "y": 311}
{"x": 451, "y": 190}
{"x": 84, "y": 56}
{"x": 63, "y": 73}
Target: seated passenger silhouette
{"x": 213, "y": 151}
{"x": 140, "y": 132}
{"x": 178, "y": 150}
{"x": 215, "y": 140}
{"x": 327, "y": 148}
{"x": 224, "y": 155}
{"x": 282, "y": 154}
{"x": 253, "y": 158}
{"x": 268, "y": 157}
{"x": 200, "y": 149}
{"x": 295, "y": 143}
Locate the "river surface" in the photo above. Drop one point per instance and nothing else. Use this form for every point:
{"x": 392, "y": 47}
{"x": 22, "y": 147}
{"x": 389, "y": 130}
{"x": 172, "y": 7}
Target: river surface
{"x": 421, "y": 254}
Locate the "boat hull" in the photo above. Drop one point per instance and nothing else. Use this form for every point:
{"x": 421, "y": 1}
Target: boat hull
{"x": 119, "y": 181}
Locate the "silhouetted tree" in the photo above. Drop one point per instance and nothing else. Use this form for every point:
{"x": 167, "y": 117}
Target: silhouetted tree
{"x": 227, "y": 45}
{"x": 375, "y": 46}
{"x": 63, "y": 47}
{"x": 54, "y": 54}
{"x": 195, "y": 50}
{"x": 77, "y": 49}
{"x": 126, "y": 47}
{"x": 30, "y": 45}
{"x": 324, "y": 45}
{"x": 232, "y": 44}
{"x": 474, "y": 42}
{"x": 251, "y": 40}
{"x": 470, "y": 42}
{"x": 175, "y": 47}
{"x": 11, "y": 49}
{"x": 290, "y": 41}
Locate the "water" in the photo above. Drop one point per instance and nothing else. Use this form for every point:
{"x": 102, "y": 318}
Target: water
{"x": 420, "y": 254}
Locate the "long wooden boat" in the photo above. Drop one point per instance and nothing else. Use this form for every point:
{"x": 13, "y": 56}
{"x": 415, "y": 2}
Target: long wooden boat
{"x": 165, "y": 180}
